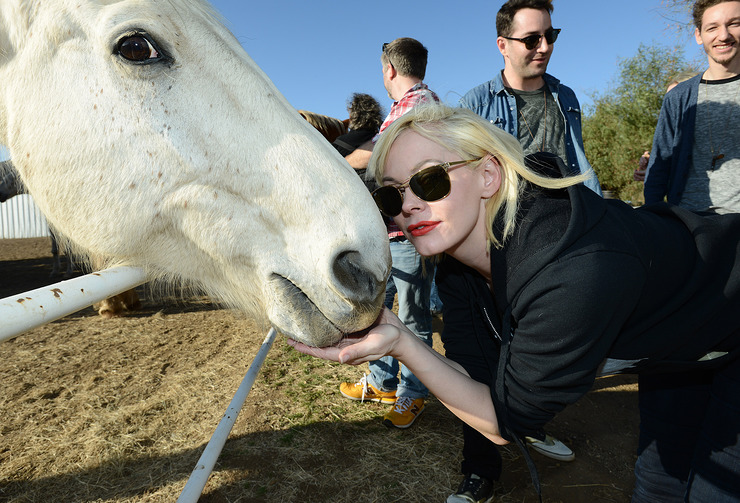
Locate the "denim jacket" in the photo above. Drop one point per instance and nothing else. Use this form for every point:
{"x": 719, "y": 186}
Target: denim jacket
{"x": 492, "y": 101}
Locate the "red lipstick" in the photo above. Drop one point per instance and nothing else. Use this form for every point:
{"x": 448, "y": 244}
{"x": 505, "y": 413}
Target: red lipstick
{"x": 422, "y": 228}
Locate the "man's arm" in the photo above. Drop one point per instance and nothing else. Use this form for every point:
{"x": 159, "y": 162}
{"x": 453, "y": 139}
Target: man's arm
{"x": 361, "y": 156}
{"x": 660, "y": 163}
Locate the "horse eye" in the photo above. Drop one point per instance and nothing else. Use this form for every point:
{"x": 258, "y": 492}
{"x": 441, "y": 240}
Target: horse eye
{"x": 137, "y": 48}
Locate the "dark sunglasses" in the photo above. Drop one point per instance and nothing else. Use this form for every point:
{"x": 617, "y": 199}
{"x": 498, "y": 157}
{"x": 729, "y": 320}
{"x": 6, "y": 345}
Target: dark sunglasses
{"x": 430, "y": 184}
{"x": 533, "y": 41}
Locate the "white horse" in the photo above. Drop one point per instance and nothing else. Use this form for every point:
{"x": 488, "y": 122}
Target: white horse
{"x": 148, "y": 136}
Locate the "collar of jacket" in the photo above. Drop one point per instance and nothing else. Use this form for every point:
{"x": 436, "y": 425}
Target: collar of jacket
{"x": 497, "y": 84}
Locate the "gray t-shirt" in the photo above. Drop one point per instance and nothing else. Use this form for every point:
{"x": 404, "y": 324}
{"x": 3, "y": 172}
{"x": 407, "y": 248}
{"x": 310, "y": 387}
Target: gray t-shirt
{"x": 540, "y": 125}
{"x": 714, "y": 176}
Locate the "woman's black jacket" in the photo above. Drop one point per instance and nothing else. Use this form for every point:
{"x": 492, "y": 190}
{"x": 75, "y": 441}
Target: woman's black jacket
{"x": 588, "y": 287}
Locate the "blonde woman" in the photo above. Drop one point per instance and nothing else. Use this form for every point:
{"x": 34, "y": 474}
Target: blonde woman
{"x": 545, "y": 286}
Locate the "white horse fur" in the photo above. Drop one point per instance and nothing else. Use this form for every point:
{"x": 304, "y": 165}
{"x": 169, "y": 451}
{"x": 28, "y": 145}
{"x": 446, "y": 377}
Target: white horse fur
{"x": 148, "y": 136}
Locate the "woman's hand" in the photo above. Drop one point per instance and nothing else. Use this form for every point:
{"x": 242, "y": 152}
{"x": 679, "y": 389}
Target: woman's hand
{"x": 371, "y": 344}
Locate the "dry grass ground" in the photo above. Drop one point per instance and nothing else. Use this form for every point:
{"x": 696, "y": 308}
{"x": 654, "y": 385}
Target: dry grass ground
{"x": 119, "y": 410}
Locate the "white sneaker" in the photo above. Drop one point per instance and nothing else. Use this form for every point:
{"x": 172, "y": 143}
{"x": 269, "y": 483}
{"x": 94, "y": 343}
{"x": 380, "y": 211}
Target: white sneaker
{"x": 551, "y": 447}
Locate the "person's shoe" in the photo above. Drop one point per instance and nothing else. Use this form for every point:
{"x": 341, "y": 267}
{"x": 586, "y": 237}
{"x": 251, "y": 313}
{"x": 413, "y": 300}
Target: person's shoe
{"x": 365, "y": 392}
{"x": 405, "y": 412}
{"x": 551, "y": 447}
{"x": 473, "y": 489}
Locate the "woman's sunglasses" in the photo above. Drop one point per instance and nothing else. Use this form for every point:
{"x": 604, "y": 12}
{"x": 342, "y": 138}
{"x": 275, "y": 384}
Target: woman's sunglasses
{"x": 533, "y": 41}
{"x": 430, "y": 184}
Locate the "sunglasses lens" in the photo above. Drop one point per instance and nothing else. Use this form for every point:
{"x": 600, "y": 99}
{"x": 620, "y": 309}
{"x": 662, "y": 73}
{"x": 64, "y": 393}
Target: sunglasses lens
{"x": 431, "y": 184}
{"x": 389, "y": 200}
{"x": 532, "y": 41}
{"x": 551, "y": 36}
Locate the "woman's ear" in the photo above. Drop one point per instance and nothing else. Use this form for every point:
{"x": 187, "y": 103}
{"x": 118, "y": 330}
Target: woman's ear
{"x": 491, "y": 171}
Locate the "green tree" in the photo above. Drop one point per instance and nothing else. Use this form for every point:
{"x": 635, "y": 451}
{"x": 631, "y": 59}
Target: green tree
{"x": 619, "y": 126}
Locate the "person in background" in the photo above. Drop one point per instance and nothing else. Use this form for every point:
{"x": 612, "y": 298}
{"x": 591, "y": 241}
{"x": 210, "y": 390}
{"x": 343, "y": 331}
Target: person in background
{"x": 642, "y": 163}
{"x": 696, "y": 156}
{"x": 365, "y": 119}
{"x": 694, "y": 163}
{"x": 404, "y": 62}
{"x": 523, "y": 99}
{"x": 545, "y": 116}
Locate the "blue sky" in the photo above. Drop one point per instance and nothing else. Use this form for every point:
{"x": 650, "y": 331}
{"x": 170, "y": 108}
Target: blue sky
{"x": 319, "y": 53}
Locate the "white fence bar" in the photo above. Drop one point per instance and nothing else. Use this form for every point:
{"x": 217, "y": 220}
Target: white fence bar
{"x": 198, "y": 478}
{"x": 24, "y": 311}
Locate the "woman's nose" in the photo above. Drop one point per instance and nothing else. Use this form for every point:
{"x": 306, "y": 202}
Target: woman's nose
{"x": 411, "y": 201}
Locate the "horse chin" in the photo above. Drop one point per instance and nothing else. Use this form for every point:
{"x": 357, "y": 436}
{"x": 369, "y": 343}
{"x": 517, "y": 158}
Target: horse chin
{"x": 297, "y": 317}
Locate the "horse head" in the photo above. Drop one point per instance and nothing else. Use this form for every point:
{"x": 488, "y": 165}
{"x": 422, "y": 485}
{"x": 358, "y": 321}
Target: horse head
{"x": 148, "y": 136}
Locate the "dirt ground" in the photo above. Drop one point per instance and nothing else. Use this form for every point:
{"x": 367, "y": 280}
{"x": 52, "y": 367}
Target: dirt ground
{"x": 119, "y": 410}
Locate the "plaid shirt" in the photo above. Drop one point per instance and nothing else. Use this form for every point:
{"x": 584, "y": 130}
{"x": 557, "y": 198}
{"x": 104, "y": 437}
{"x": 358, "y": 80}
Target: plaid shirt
{"x": 420, "y": 93}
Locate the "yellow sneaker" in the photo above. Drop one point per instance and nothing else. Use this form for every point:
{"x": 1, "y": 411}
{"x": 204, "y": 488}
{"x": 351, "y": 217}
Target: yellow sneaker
{"x": 405, "y": 412}
{"x": 365, "y": 392}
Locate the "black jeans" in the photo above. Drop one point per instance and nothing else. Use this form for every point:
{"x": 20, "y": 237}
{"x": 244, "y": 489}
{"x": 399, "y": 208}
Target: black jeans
{"x": 480, "y": 455}
{"x": 689, "y": 447}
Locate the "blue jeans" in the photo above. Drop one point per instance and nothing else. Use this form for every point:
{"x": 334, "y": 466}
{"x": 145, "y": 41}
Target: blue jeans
{"x": 435, "y": 304}
{"x": 413, "y": 290}
{"x": 689, "y": 447}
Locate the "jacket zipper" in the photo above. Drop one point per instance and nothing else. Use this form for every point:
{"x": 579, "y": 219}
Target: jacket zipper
{"x": 490, "y": 323}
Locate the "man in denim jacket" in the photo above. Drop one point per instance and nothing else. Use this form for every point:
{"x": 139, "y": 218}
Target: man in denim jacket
{"x": 494, "y": 102}
{"x": 544, "y": 115}
{"x": 515, "y": 99}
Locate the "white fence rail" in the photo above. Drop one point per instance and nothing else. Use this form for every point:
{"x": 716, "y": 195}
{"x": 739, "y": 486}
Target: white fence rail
{"x": 23, "y": 312}
{"x": 203, "y": 468}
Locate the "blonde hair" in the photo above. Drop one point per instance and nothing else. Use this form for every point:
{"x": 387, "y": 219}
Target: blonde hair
{"x": 468, "y": 135}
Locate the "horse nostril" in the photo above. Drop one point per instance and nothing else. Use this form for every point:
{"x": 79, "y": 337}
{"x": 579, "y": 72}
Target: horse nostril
{"x": 351, "y": 274}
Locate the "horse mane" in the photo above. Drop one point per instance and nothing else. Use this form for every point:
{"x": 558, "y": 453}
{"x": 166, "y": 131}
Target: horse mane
{"x": 330, "y": 127}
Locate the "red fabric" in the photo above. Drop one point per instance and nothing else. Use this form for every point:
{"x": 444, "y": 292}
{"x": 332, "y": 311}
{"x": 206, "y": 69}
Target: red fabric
{"x": 420, "y": 93}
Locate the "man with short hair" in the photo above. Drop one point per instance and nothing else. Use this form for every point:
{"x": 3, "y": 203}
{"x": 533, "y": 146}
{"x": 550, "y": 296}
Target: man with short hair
{"x": 694, "y": 163}
{"x": 523, "y": 99}
{"x": 404, "y": 66}
{"x": 544, "y": 115}
{"x": 696, "y": 152}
